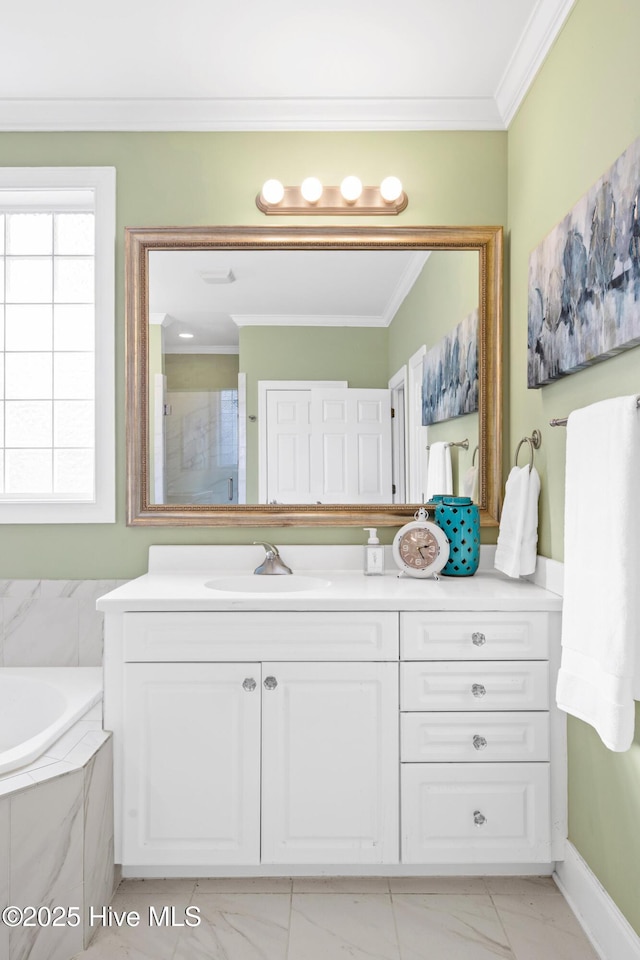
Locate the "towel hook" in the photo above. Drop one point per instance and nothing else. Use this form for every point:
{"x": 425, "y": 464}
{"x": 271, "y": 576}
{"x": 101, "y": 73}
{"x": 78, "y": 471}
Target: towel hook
{"x": 534, "y": 442}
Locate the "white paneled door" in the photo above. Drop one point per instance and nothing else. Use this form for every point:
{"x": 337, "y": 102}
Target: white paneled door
{"x": 329, "y": 446}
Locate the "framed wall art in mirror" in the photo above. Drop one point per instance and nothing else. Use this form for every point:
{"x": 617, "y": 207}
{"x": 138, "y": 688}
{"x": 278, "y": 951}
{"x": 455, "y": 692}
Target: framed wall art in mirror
{"x": 274, "y": 374}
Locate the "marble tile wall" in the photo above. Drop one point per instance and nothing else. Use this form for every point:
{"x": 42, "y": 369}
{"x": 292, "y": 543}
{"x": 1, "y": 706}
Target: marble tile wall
{"x": 51, "y": 623}
{"x": 56, "y": 849}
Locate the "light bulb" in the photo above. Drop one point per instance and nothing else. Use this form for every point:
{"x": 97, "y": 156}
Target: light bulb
{"x": 272, "y": 191}
{"x": 351, "y": 188}
{"x": 390, "y": 189}
{"x": 311, "y": 189}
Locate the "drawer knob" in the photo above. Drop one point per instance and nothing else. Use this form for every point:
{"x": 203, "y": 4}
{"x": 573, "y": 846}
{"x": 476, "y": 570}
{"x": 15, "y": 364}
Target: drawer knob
{"x": 478, "y": 690}
{"x": 478, "y": 639}
{"x": 479, "y": 818}
{"x": 479, "y": 742}
{"x": 270, "y": 683}
{"x": 249, "y": 684}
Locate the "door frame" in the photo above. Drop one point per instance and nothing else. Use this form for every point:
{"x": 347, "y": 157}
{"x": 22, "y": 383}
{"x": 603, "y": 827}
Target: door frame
{"x": 399, "y": 445}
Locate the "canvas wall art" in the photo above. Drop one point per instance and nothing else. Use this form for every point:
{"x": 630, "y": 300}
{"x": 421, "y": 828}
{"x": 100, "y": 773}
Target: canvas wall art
{"x": 584, "y": 278}
{"x": 450, "y": 374}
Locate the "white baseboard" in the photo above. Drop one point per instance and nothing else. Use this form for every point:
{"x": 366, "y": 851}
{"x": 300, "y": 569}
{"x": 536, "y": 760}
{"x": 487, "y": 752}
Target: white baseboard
{"x": 609, "y": 931}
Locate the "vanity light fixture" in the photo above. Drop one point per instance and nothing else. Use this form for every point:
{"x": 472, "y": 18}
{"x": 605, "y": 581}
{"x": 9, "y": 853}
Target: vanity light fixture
{"x": 351, "y": 197}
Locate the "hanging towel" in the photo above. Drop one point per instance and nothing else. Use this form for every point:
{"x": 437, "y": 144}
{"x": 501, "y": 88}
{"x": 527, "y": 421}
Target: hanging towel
{"x": 517, "y": 548}
{"x": 439, "y": 473}
{"x": 601, "y": 610}
{"x": 469, "y": 485}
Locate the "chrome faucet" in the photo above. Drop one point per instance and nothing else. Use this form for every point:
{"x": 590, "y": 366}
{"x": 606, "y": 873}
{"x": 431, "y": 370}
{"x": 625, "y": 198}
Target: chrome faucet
{"x": 273, "y": 562}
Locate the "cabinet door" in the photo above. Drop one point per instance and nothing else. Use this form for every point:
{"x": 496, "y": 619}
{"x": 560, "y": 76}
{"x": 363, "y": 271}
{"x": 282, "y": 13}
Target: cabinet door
{"x": 192, "y": 764}
{"x": 330, "y": 763}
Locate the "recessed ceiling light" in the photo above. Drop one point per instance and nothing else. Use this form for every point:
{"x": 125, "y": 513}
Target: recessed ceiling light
{"x": 186, "y": 336}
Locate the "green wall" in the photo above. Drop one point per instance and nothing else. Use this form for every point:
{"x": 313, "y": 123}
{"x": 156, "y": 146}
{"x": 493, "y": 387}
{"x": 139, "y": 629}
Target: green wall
{"x": 581, "y": 113}
{"x": 201, "y": 371}
{"x": 455, "y": 178}
{"x": 443, "y": 295}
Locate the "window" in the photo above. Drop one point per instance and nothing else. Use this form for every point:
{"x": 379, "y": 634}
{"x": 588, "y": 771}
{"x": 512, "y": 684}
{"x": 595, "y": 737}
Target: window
{"x": 57, "y": 457}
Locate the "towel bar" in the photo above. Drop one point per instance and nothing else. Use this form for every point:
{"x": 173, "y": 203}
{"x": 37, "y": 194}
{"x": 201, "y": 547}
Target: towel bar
{"x": 454, "y": 443}
{"x": 562, "y": 421}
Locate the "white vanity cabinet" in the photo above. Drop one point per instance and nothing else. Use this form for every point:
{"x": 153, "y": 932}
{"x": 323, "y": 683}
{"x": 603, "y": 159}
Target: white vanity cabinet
{"x": 476, "y": 737}
{"x": 262, "y": 761}
{"x": 386, "y": 726}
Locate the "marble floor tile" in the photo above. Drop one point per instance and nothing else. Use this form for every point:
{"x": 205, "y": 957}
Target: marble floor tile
{"x": 462, "y": 885}
{"x": 244, "y": 885}
{"x": 237, "y": 926}
{"x": 148, "y": 940}
{"x": 529, "y": 886}
{"x": 450, "y": 927}
{"x": 340, "y": 885}
{"x": 542, "y": 925}
{"x": 268, "y": 919}
{"x": 333, "y": 926}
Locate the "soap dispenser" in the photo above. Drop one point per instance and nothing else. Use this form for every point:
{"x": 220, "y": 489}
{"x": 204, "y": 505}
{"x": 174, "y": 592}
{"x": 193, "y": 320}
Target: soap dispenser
{"x": 373, "y": 554}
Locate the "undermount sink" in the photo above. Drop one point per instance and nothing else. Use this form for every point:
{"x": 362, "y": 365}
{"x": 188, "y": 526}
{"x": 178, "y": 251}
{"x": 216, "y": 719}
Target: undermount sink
{"x": 283, "y": 583}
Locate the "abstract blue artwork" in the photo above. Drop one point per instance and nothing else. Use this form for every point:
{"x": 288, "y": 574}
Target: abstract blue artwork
{"x": 450, "y": 374}
{"x": 584, "y": 279}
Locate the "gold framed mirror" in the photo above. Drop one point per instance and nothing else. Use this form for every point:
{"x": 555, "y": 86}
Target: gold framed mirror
{"x": 154, "y": 252}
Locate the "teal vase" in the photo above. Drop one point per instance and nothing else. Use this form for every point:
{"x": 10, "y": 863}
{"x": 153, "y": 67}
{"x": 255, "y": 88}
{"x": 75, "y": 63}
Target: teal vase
{"x": 459, "y": 518}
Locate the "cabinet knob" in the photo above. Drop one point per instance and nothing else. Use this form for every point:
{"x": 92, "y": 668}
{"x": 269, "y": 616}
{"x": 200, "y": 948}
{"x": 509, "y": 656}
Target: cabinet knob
{"x": 479, "y": 818}
{"x": 479, "y": 742}
{"x": 478, "y": 639}
{"x": 270, "y": 683}
{"x": 478, "y": 690}
{"x": 249, "y": 684}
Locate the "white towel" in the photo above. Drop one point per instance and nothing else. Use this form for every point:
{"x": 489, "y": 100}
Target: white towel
{"x": 601, "y": 610}
{"x": 469, "y": 484}
{"x": 439, "y": 473}
{"x": 518, "y": 536}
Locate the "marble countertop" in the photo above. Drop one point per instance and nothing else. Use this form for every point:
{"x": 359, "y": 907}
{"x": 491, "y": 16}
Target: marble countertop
{"x": 177, "y": 580}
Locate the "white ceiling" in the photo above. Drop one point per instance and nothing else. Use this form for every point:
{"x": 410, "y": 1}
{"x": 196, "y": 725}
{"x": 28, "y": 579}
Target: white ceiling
{"x": 285, "y": 288}
{"x": 270, "y": 64}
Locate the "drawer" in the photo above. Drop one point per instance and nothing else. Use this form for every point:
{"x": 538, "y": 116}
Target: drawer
{"x": 474, "y": 636}
{"x": 465, "y": 813}
{"x": 474, "y": 737}
{"x": 456, "y": 685}
{"x": 260, "y": 636}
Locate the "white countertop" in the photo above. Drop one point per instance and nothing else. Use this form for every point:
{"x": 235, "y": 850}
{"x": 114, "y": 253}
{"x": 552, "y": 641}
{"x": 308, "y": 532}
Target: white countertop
{"x": 177, "y": 578}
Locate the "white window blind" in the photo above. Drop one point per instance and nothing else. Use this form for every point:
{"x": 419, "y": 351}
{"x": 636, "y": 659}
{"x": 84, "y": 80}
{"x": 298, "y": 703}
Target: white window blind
{"x": 56, "y": 345}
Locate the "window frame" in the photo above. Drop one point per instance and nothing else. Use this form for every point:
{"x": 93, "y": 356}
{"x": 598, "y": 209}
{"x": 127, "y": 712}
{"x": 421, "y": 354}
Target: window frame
{"x": 102, "y": 509}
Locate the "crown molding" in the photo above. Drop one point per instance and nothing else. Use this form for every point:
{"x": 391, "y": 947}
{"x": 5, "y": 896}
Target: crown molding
{"x": 305, "y": 320}
{"x": 405, "y": 283}
{"x": 539, "y": 35}
{"x": 448, "y": 113}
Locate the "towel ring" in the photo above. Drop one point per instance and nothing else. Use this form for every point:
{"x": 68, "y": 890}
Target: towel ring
{"x": 473, "y": 458}
{"x": 534, "y": 442}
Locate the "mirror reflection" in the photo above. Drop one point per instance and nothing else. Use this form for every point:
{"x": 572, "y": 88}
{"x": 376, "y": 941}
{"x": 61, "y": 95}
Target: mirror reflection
{"x": 296, "y": 376}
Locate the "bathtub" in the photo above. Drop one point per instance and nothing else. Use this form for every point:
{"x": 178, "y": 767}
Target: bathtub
{"x": 38, "y": 704}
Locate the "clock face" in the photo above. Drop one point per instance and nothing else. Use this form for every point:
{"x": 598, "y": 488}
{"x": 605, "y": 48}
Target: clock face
{"x": 419, "y": 548}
